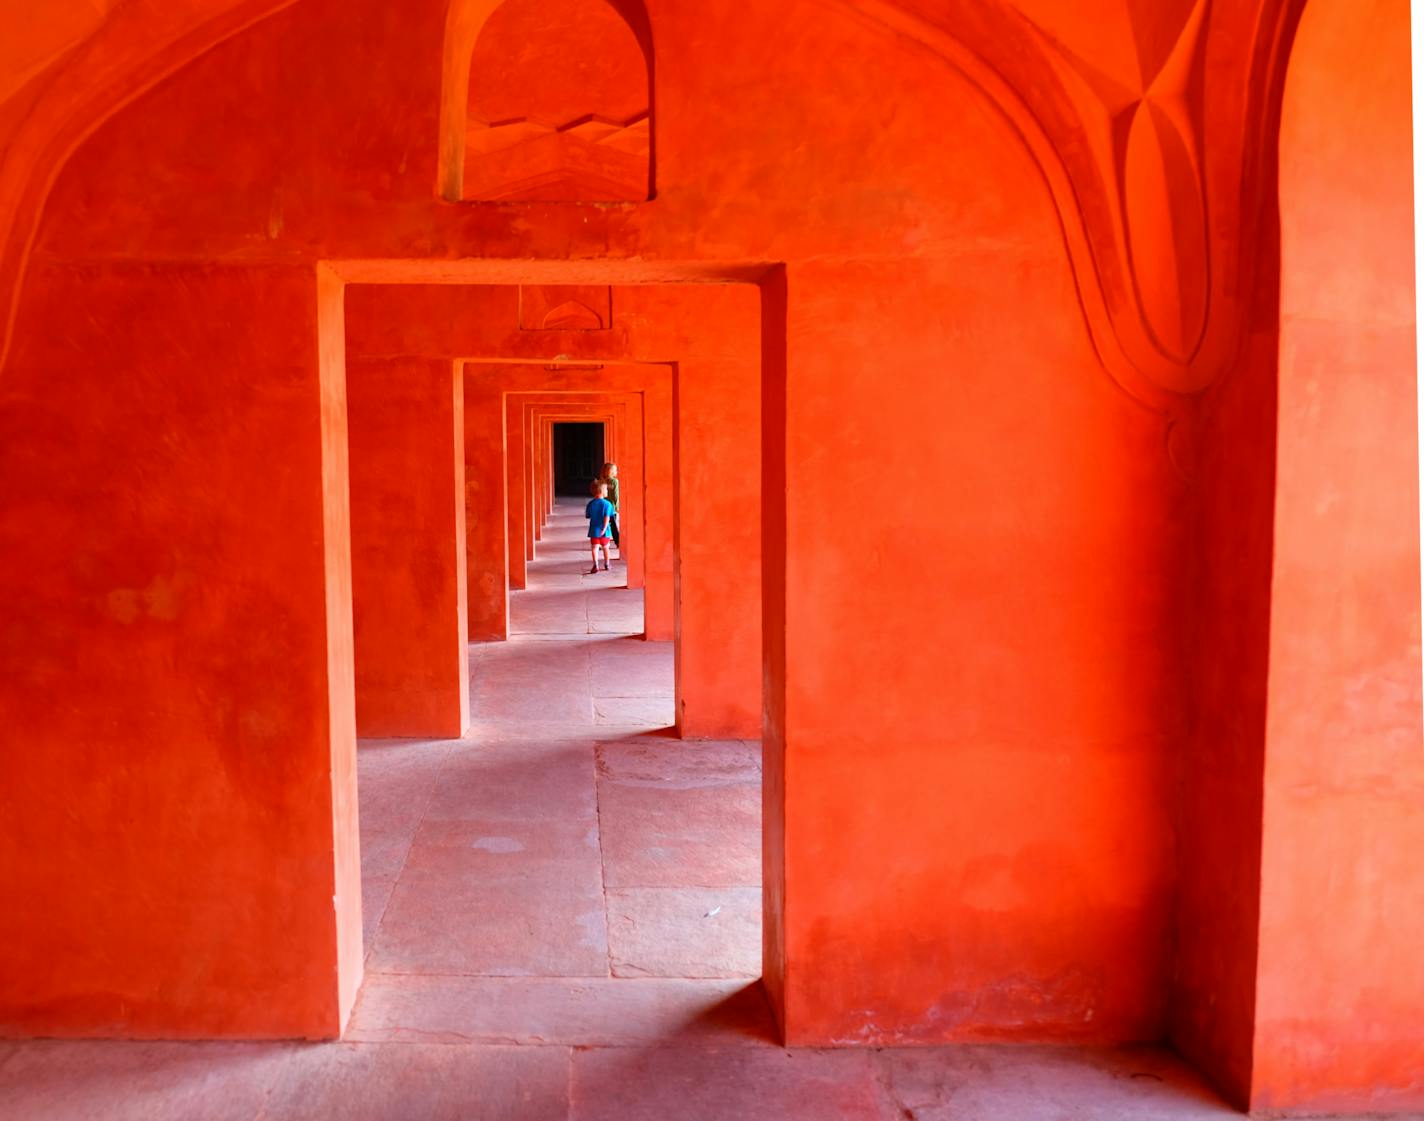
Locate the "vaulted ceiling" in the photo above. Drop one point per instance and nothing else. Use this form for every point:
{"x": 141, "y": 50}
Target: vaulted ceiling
{"x": 1109, "y": 94}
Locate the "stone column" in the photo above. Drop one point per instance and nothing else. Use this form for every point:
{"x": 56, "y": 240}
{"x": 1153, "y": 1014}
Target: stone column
{"x": 717, "y": 408}
{"x": 176, "y": 656}
{"x": 408, "y": 547}
{"x": 488, "y": 516}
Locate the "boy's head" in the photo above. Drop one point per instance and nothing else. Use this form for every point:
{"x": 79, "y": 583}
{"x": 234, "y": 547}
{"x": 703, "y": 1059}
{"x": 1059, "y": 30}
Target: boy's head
{"x": 598, "y": 488}
{"x": 610, "y": 470}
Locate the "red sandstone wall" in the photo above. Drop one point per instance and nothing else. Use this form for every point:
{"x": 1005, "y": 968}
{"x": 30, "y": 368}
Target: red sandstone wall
{"x": 1341, "y": 979}
{"x": 486, "y": 512}
{"x": 1297, "y": 977}
{"x": 986, "y": 654}
{"x": 981, "y": 563}
{"x": 407, "y": 434}
{"x": 177, "y": 781}
{"x": 1218, "y": 769}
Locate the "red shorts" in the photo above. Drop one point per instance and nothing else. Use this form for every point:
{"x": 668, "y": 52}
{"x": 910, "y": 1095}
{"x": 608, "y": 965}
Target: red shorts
{"x": 600, "y": 541}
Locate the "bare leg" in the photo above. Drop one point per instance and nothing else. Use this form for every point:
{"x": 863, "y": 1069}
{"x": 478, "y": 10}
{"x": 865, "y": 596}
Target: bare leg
{"x": 592, "y": 556}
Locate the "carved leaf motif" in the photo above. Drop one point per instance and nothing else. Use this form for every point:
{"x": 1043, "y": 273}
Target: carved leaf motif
{"x": 1134, "y": 112}
{"x": 572, "y": 316}
{"x": 1166, "y": 221}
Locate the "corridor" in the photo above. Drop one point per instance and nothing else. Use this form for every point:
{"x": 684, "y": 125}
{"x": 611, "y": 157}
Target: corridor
{"x": 1011, "y": 697}
{"x": 567, "y": 836}
{"x": 563, "y": 923}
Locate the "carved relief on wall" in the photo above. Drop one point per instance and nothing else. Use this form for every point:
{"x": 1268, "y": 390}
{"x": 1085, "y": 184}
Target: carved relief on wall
{"x": 558, "y": 107}
{"x": 1111, "y": 97}
{"x": 565, "y": 307}
{"x": 1138, "y": 112}
{"x": 1152, "y": 122}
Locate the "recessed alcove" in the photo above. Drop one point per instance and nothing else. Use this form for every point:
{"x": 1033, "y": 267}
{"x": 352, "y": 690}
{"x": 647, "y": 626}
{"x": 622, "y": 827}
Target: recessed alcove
{"x": 546, "y": 101}
{"x": 565, "y": 307}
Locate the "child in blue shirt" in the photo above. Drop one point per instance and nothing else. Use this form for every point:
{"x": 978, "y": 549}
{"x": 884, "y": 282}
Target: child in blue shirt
{"x": 599, "y": 512}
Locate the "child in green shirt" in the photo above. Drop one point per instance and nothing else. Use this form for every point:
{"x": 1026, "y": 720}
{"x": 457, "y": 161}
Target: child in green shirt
{"x": 610, "y": 480}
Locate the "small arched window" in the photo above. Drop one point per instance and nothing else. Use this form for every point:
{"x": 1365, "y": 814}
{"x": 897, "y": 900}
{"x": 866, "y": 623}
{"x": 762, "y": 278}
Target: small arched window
{"x": 556, "y": 108}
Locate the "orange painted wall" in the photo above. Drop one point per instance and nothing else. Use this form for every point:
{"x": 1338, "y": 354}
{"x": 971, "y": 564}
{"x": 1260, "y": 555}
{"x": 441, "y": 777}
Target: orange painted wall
{"x": 1218, "y": 773}
{"x": 172, "y": 661}
{"x": 406, "y": 424}
{"x": 717, "y": 548}
{"x": 1297, "y": 983}
{"x": 978, "y": 666}
{"x": 980, "y": 581}
{"x": 845, "y": 436}
{"x": 1341, "y": 981}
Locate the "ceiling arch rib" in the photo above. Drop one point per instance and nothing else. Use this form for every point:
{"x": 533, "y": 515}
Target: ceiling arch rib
{"x": 1158, "y": 303}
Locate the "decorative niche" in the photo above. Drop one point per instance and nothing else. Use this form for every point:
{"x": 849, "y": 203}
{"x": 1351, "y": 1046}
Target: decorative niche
{"x": 565, "y": 307}
{"x": 554, "y": 105}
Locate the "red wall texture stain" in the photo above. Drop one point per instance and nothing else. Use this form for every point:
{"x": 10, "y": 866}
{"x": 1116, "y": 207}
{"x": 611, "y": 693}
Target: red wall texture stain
{"x": 1088, "y": 662}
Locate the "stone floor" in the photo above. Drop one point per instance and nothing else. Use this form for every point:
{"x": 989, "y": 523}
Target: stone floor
{"x": 563, "y": 922}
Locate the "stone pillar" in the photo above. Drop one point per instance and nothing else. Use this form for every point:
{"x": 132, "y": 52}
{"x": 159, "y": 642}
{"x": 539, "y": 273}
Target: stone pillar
{"x": 488, "y": 516}
{"x": 1339, "y": 992}
{"x": 974, "y": 695}
{"x": 176, "y": 659}
{"x": 531, "y": 498}
{"x": 541, "y": 476}
{"x": 717, "y": 408}
{"x": 633, "y": 521}
{"x": 515, "y": 489}
{"x": 408, "y": 547}
{"x": 547, "y": 473}
{"x": 658, "y": 612}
